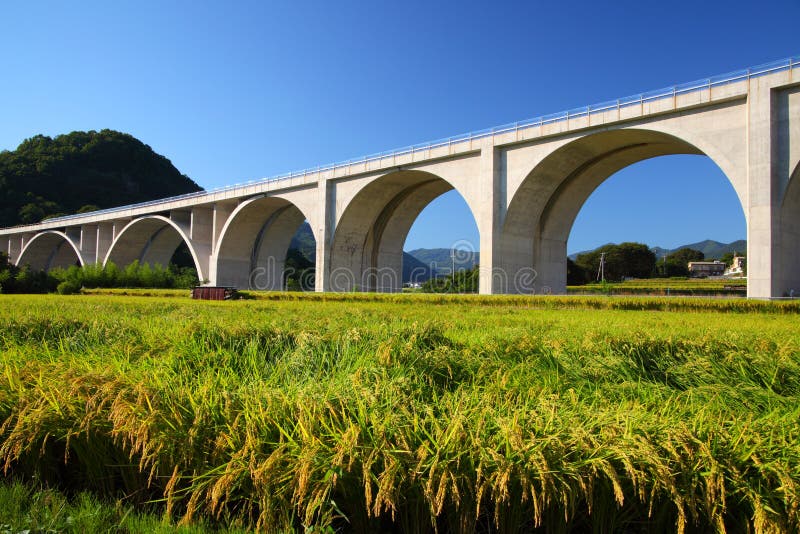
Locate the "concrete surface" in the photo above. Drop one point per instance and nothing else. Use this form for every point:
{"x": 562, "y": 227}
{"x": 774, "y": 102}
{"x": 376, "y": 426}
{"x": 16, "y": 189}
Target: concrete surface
{"x": 524, "y": 186}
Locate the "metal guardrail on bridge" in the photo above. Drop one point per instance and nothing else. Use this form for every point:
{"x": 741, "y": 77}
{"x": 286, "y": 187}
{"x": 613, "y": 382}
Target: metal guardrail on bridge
{"x": 636, "y": 100}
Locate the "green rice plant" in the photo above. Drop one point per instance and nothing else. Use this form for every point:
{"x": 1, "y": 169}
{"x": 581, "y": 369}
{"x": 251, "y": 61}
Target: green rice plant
{"x": 410, "y": 413}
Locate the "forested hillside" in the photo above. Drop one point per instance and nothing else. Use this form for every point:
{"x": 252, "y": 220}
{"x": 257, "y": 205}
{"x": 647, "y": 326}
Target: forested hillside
{"x": 82, "y": 171}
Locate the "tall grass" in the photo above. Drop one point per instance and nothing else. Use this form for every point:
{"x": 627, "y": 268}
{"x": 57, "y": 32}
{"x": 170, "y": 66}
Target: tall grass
{"x": 390, "y": 415}
{"x": 26, "y": 508}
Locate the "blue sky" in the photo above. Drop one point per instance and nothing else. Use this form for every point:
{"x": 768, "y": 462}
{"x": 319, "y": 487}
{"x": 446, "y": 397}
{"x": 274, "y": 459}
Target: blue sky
{"x": 232, "y": 91}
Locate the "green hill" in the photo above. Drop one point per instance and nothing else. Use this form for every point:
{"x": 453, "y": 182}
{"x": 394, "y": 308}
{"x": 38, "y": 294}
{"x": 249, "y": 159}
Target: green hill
{"x": 713, "y": 250}
{"x": 81, "y": 171}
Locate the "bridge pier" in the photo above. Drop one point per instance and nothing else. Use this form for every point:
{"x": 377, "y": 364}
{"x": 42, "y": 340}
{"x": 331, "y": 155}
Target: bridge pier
{"x": 326, "y": 222}
{"x": 105, "y": 236}
{"x": 491, "y": 276}
{"x": 87, "y": 243}
{"x": 773, "y": 200}
{"x": 201, "y": 234}
{"x": 14, "y": 248}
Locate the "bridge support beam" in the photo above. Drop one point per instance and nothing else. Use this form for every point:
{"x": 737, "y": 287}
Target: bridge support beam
{"x": 14, "y": 248}
{"x": 326, "y": 202}
{"x": 201, "y": 233}
{"x": 760, "y": 195}
{"x": 773, "y": 203}
{"x": 105, "y": 236}
{"x": 491, "y": 277}
{"x": 222, "y": 212}
{"x": 87, "y": 243}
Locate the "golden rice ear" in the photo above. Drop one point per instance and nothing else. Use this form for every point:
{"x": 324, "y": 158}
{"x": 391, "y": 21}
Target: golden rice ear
{"x": 283, "y": 415}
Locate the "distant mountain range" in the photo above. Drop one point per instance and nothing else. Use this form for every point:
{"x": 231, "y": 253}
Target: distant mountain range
{"x": 442, "y": 259}
{"x": 424, "y": 263}
{"x": 713, "y": 250}
{"x": 418, "y": 265}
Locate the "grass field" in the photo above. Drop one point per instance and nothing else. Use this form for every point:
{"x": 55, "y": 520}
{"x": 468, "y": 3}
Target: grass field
{"x": 403, "y": 413}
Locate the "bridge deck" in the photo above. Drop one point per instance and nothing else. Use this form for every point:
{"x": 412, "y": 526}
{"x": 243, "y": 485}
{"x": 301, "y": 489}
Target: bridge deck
{"x": 682, "y": 97}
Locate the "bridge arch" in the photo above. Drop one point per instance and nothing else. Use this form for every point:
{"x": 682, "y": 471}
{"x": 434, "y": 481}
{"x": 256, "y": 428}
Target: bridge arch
{"x": 367, "y": 247}
{"x": 254, "y": 242}
{"x": 543, "y": 209}
{"x": 152, "y": 240}
{"x": 50, "y": 249}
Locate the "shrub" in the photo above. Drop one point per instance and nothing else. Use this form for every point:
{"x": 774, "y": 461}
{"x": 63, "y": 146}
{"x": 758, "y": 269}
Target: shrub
{"x": 68, "y": 287}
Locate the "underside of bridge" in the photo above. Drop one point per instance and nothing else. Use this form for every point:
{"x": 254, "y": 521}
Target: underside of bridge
{"x": 254, "y": 242}
{"x": 150, "y": 240}
{"x": 367, "y": 250}
{"x": 542, "y": 212}
{"x": 50, "y": 250}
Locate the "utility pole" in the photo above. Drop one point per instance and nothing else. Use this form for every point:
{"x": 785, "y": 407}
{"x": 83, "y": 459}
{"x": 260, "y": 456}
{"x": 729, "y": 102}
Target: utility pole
{"x": 601, "y": 271}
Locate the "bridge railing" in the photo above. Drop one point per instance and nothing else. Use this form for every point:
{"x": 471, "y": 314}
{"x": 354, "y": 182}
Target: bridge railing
{"x": 575, "y": 113}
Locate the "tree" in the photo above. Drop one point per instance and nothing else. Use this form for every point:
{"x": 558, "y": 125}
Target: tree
{"x": 727, "y": 259}
{"x": 463, "y": 281}
{"x": 626, "y": 260}
{"x": 298, "y": 271}
{"x": 47, "y": 176}
{"x": 88, "y": 208}
{"x": 576, "y": 275}
{"x": 677, "y": 263}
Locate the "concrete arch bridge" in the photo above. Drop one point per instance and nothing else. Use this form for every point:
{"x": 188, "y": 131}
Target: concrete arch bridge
{"x": 524, "y": 183}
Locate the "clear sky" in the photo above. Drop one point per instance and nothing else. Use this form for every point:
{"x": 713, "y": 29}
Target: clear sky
{"x": 232, "y": 91}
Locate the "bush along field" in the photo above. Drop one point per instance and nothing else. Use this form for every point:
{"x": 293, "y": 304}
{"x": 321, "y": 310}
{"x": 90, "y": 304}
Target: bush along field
{"x": 403, "y": 414}
{"x": 68, "y": 281}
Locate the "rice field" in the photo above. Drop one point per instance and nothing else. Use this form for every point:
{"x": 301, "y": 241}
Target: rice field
{"x": 365, "y": 413}
{"x": 732, "y": 287}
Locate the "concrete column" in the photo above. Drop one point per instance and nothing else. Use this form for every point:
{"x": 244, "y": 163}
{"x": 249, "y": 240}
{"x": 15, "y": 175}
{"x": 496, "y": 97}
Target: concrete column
{"x": 14, "y": 248}
{"x": 201, "y": 233}
{"x": 88, "y": 243}
{"x": 761, "y": 185}
{"x": 221, "y": 211}
{"x": 105, "y": 236}
{"x": 324, "y": 233}
{"x": 490, "y": 218}
{"x": 786, "y": 175}
{"x": 24, "y": 238}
